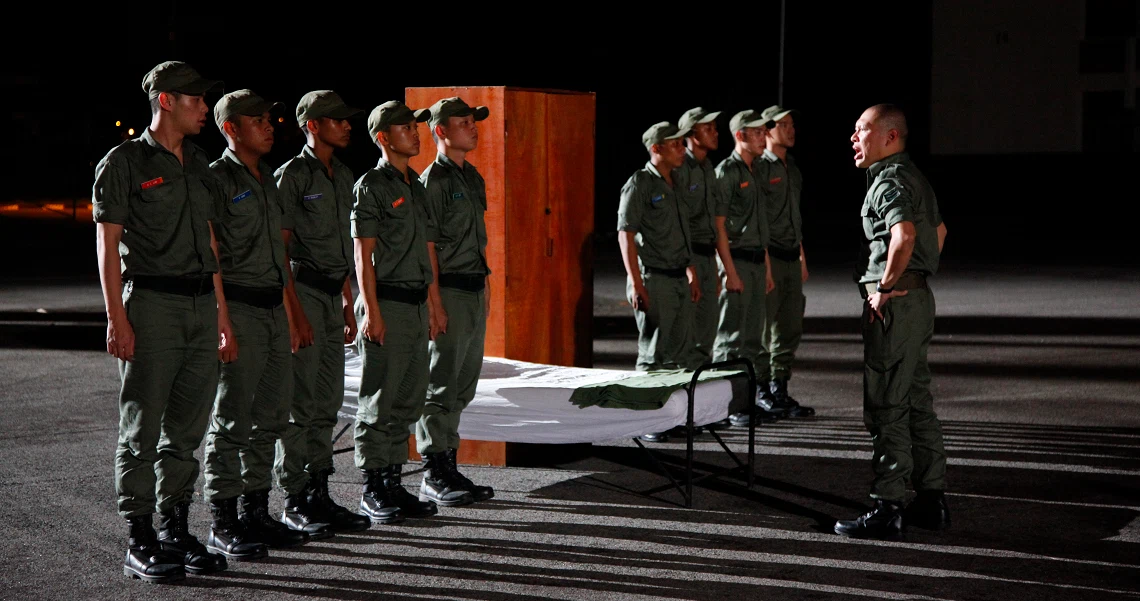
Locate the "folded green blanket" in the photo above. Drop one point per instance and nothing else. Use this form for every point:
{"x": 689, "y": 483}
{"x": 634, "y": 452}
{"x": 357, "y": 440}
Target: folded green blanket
{"x": 647, "y": 390}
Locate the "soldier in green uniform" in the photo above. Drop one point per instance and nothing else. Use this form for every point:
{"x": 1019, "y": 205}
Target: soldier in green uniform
{"x": 389, "y": 228}
{"x": 777, "y": 172}
{"x": 154, "y": 199}
{"x": 315, "y": 189}
{"x": 656, "y": 249}
{"x": 458, "y": 299}
{"x": 252, "y": 402}
{"x": 904, "y": 236}
{"x": 742, "y": 239}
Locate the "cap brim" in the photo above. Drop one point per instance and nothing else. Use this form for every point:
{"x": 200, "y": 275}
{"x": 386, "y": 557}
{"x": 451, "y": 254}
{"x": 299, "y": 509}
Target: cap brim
{"x": 343, "y": 112}
{"x": 260, "y": 108}
{"x": 754, "y": 123}
{"x": 422, "y": 115}
{"x": 783, "y": 114}
{"x": 200, "y": 87}
{"x": 481, "y": 112}
{"x": 680, "y": 134}
{"x": 709, "y": 117}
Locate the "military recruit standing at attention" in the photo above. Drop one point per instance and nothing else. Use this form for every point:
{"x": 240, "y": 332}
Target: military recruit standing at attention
{"x": 153, "y": 200}
{"x": 904, "y": 237}
{"x": 458, "y": 298}
{"x": 777, "y": 172}
{"x": 745, "y": 278}
{"x": 316, "y": 191}
{"x": 255, "y": 388}
{"x": 653, "y": 232}
{"x": 389, "y": 229}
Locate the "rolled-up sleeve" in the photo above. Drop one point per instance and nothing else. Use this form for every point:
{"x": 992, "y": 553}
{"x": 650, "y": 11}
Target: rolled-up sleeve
{"x": 630, "y": 207}
{"x": 894, "y": 203}
{"x": 289, "y": 195}
{"x": 111, "y": 193}
{"x": 365, "y": 218}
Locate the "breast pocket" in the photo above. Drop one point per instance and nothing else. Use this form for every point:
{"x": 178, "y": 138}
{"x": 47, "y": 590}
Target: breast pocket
{"x": 243, "y": 203}
{"x": 160, "y": 203}
{"x": 869, "y": 220}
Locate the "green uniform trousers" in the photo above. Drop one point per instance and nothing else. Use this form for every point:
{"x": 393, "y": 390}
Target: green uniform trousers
{"x": 785, "y": 319}
{"x": 165, "y": 400}
{"x": 898, "y": 408}
{"x": 393, "y": 384}
{"x": 456, "y": 362}
{"x": 665, "y": 329}
{"x": 252, "y": 404}
{"x": 706, "y": 315}
{"x": 740, "y": 334}
{"x": 306, "y": 444}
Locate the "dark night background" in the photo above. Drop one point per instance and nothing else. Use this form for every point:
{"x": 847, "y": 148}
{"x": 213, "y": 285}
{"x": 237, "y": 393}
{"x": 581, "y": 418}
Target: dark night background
{"x": 65, "y": 87}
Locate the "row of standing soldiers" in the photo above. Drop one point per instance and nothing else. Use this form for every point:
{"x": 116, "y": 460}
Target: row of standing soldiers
{"x": 229, "y": 304}
{"x": 714, "y": 256}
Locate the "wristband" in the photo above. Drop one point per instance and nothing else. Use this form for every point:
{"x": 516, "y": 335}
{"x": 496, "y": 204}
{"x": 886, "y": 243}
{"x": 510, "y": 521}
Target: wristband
{"x": 882, "y": 289}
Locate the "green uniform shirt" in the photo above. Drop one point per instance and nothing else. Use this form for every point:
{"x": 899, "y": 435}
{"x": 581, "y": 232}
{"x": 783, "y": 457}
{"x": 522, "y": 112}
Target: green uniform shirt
{"x": 456, "y": 202}
{"x": 896, "y": 192}
{"x": 163, "y": 206}
{"x": 654, "y": 210}
{"x": 395, "y": 213}
{"x": 248, "y": 227}
{"x": 784, "y": 184}
{"x": 747, "y": 217}
{"x": 317, "y": 211}
{"x": 696, "y": 183}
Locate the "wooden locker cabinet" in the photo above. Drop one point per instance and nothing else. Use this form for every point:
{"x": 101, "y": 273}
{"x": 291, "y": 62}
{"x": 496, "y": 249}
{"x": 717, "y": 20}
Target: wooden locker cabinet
{"x": 536, "y": 152}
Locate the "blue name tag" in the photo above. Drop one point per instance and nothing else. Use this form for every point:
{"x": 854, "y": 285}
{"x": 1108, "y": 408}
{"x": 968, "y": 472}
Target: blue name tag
{"x": 315, "y": 196}
{"x": 457, "y": 195}
{"x": 693, "y": 187}
{"x": 242, "y": 196}
{"x": 657, "y": 199}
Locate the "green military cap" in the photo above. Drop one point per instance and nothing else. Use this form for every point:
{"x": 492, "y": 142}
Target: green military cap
{"x": 659, "y": 132}
{"x": 748, "y": 118}
{"x": 696, "y": 115}
{"x": 176, "y": 76}
{"x": 241, "y": 102}
{"x": 776, "y": 112}
{"x": 392, "y": 113}
{"x": 323, "y": 103}
{"x": 446, "y": 108}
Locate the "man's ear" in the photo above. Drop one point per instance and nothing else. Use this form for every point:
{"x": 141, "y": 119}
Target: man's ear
{"x": 382, "y": 138}
{"x": 313, "y": 126}
{"x": 438, "y": 129}
{"x": 229, "y": 129}
{"x": 166, "y": 100}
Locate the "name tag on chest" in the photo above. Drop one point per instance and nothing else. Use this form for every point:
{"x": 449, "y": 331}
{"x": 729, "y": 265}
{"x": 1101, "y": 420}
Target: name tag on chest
{"x": 656, "y": 199}
{"x": 457, "y": 195}
{"x": 242, "y": 196}
{"x": 316, "y": 196}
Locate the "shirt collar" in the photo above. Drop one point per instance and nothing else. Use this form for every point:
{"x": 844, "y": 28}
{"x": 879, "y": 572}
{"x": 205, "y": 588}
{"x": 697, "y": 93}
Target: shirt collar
{"x": 899, "y": 157}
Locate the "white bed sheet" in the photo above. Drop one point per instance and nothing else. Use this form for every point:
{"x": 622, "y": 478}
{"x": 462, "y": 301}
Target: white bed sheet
{"x": 516, "y": 401}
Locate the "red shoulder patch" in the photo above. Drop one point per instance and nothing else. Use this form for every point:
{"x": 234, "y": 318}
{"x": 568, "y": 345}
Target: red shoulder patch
{"x": 398, "y": 202}
{"x": 152, "y": 183}
{"x": 775, "y": 180}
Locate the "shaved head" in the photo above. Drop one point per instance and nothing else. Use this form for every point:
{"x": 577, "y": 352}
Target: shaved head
{"x": 888, "y": 117}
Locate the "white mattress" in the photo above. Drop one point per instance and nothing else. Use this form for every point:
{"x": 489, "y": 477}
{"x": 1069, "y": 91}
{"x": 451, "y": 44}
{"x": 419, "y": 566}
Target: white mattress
{"x": 518, "y": 401}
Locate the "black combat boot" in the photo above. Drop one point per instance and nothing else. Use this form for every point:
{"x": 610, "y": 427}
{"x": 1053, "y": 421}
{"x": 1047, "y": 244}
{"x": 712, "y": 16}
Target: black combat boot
{"x": 174, "y": 534}
{"x": 784, "y": 401}
{"x": 228, "y": 535}
{"x": 302, "y": 516}
{"x": 409, "y": 505}
{"x": 885, "y": 520}
{"x": 766, "y": 408}
{"x": 261, "y": 527}
{"x": 339, "y": 518}
{"x": 441, "y": 484}
{"x": 479, "y": 493}
{"x": 374, "y": 499}
{"x": 928, "y": 510}
{"x": 146, "y": 559}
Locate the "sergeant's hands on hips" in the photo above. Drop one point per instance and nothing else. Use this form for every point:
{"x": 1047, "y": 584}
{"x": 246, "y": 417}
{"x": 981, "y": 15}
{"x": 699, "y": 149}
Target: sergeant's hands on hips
{"x": 878, "y": 300}
{"x": 120, "y": 336}
{"x": 349, "y": 325}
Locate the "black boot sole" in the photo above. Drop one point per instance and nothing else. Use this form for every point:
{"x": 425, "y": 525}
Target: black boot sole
{"x": 200, "y": 571}
{"x": 136, "y": 575}
{"x": 377, "y": 518}
{"x": 260, "y": 554}
{"x": 462, "y": 501}
{"x": 871, "y": 535}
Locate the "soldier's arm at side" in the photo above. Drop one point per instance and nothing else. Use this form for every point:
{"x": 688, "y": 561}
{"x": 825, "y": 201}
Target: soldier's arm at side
{"x": 120, "y": 334}
{"x": 372, "y": 327}
{"x": 300, "y": 331}
{"x": 628, "y": 244}
{"x": 941, "y": 236}
{"x": 437, "y": 315}
{"x": 803, "y": 264}
{"x": 346, "y": 307}
{"x": 227, "y": 344}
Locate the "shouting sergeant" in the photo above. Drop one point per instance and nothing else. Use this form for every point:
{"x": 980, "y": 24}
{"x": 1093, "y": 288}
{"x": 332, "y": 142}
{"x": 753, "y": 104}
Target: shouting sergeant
{"x": 316, "y": 192}
{"x": 389, "y": 228}
{"x": 904, "y": 236}
{"x": 777, "y": 172}
{"x": 743, "y": 228}
{"x": 459, "y": 298}
{"x": 154, "y": 199}
{"x": 255, "y": 389}
{"x": 653, "y": 232}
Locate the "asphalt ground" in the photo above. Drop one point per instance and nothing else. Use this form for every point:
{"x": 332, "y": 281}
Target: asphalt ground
{"x": 1036, "y": 379}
